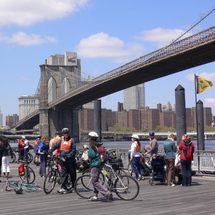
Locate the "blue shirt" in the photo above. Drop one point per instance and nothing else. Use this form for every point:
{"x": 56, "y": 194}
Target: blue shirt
{"x": 170, "y": 149}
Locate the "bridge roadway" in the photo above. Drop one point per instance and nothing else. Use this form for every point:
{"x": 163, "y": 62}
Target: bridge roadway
{"x": 187, "y": 53}
{"x": 157, "y": 199}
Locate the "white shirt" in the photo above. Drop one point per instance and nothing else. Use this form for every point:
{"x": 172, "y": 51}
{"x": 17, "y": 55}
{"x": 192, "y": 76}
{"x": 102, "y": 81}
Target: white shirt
{"x": 133, "y": 150}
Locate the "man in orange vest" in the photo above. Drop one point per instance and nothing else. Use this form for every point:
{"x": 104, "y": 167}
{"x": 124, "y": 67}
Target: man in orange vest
{"x": 67, "y": 156}
{"x": 54, "y": 140}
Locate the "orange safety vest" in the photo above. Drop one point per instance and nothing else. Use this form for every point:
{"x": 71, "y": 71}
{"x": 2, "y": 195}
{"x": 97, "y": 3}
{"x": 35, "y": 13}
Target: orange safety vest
{"x": 150, "y": 144}
{"x": 66, "y": 145}
{"x": 53, "y": 141}
{"x": 35, "y": 142}
{"x": 138, "y": 148}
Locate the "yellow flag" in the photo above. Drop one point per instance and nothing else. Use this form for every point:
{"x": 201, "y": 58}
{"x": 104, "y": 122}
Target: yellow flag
{"x": 202, "y": 84}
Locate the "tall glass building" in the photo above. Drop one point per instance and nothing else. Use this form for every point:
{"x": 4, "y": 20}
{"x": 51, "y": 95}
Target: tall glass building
{"x": 134, "y": 97}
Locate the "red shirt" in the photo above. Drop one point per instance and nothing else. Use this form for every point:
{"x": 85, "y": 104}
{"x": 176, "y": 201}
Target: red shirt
{"x": 182, "y": 147}
{"x": 21, "y": 144}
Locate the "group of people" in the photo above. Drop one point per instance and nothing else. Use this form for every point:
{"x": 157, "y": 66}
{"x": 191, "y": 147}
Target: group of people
{"x": 67, "y": 151}
{"x": 23, "y": 146}
{"x": 185, "y": 149}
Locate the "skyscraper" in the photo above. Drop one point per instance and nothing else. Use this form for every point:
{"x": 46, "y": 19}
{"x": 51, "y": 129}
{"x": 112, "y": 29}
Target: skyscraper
{"x": 1, "y": 118}
{"x": 134, "y": 97}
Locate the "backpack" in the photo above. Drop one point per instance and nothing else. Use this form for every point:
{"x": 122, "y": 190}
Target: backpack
{"x": 189, "y": 152}
{"x": 103, "y": 155}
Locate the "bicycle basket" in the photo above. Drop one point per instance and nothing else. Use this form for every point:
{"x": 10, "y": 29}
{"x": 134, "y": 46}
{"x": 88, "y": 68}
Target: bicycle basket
{"x": 116, "y": 163}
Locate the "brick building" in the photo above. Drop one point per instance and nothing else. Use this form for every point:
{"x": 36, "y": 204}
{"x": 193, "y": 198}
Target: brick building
{"x": 140, "y": 120}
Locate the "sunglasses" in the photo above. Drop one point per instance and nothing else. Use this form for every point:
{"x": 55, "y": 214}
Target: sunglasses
{"x": 66, "y": 133}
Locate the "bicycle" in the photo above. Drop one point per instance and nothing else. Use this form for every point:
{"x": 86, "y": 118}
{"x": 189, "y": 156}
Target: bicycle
{"x": 146, "y": 168}
{"x": 12, "y": 185}
{"x": 125, "y": 187}
{"x": 28, "y": 175}
{"x": 54, "y": 176}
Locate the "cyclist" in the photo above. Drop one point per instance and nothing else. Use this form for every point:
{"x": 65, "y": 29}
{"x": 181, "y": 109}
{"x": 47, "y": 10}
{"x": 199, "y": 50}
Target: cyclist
{"x": 135, "y": 157}
{"x": 67, "y": 156}
{"x": 54, "y": 140}
{"x": 96, "y": 169}
{"x": 21, "y": 147}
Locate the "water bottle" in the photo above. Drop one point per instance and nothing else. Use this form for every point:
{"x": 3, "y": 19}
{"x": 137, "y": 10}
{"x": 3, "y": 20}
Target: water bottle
{"x": 104, "y": 172}
{"x": 101, "y": 158}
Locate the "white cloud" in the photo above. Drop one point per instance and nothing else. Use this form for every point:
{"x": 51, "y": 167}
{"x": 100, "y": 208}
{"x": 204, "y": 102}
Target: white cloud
{"x": 161, "y": 36}
{"x": 24, "y": 39}
{"x": 101, "y": 45}
{"x": 210, "y": 102}
{"x": 205, "y": 75}
{"x": 29, "y": 12}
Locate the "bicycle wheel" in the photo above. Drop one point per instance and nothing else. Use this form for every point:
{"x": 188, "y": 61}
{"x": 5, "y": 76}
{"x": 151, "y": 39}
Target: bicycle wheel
{"x": 8, "y": 186}
{"x": 69, "y": 183}
{"x": 36, "y": 160}
{"x": 130, "y": 169}
{"x": 126, "y": 187}
{"x": 84, "y": 187}
{"x": 13, "y": 159}
{"x": 121, "y": 172}
{"x": 29, "y": 176}
{"x": 49, "y": 182}
{"x": 30, "y": 157}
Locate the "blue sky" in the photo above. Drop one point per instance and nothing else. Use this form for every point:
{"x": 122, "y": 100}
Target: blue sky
{"x": 105, "y": 34}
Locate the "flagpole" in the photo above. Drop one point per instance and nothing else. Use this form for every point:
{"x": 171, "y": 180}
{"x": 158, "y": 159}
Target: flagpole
{"x": 195, "y": 77}
{"x": 195, "y": 81}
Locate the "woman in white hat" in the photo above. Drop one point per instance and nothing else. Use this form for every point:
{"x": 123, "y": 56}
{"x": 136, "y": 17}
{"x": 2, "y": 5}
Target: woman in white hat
{"x": 135, "y": 156}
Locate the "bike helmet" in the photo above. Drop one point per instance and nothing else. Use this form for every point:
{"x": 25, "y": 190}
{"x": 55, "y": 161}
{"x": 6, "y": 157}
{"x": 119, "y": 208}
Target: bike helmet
{"x": 151, "y": 133}
{"x": 85, "y": 147}
{"x": 57, "y": 133}
{"x": 18, "y": 190}
{"x": 135, "y": 136}
{"x": 93, "y": 135}
{"x": 23, "y": 137}
{"x": 39, "y": 136}
{"x": 65, "y": 130}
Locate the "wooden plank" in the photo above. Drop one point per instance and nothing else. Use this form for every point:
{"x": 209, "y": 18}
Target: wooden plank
{"x": 156, "y": 199}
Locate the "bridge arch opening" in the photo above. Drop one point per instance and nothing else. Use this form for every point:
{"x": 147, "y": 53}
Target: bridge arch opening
{"x": 65, "y": 87}
{"x": 52, "y": 89}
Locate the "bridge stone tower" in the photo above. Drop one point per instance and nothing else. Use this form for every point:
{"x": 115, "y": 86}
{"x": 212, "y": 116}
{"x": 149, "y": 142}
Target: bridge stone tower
{"x": 57, "y": 78}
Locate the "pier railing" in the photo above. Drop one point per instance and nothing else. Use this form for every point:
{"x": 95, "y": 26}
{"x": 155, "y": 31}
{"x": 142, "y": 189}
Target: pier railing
{"x": 205, "y": 164}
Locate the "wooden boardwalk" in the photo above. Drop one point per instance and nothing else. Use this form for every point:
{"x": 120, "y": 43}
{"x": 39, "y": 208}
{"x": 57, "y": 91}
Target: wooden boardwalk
{"x": 156, "y": 199}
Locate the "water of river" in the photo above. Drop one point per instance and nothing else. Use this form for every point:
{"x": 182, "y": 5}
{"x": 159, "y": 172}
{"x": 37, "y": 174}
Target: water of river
{"x": 209, "y": 144}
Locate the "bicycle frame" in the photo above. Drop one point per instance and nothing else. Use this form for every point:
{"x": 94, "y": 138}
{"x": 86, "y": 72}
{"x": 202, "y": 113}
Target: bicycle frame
{"x": 13, "y": 184}
{"x": 108, "y": 180}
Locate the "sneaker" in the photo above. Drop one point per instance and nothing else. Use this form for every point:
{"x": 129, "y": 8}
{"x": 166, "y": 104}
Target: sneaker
{"x": 109, "y": 197}
{"x": 142, "y": 178}
{"x": 93, "y": 199}
{"x": 62, "y": 191}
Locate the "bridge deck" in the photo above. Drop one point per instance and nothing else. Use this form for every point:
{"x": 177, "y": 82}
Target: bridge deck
{"x": 157, "y": 199}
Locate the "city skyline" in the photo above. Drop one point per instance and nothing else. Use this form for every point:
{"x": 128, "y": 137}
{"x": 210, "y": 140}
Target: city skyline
{"x": 102, "y": 43}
